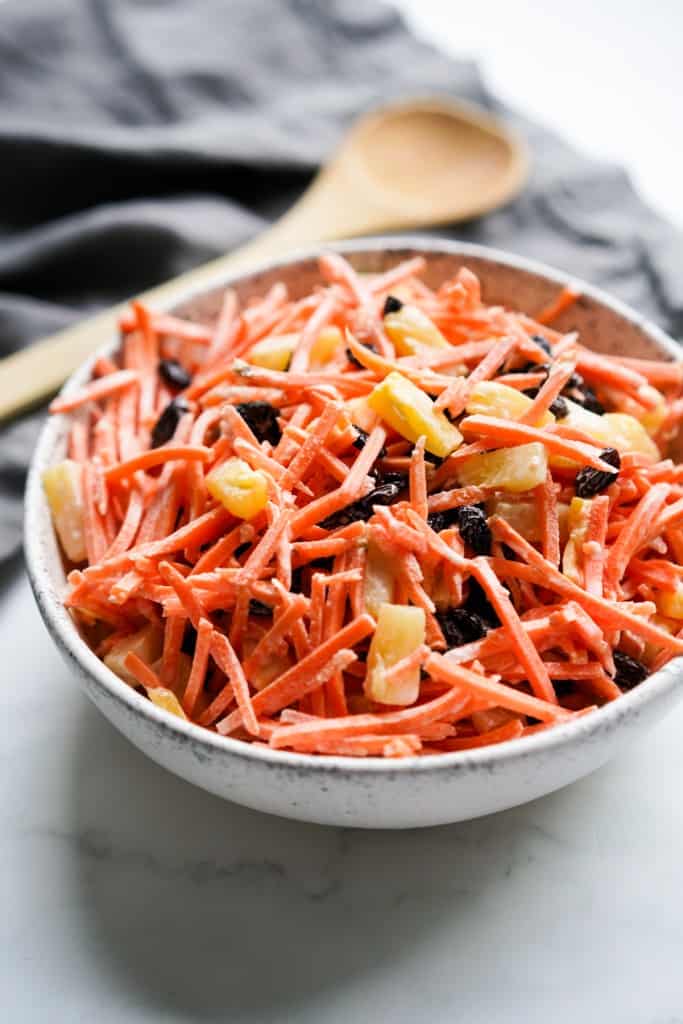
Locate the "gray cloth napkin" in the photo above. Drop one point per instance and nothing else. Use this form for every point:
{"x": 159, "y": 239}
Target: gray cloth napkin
{"x": 140, "y": 138}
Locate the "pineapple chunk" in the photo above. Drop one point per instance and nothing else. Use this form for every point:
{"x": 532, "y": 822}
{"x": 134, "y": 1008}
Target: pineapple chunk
{"x": 617, "y": 430}
{"x": 165, "y": 699}
{"x": 63, "y": 490}
{"x": 409, "y": 328}
{"x": 670, "y": 603}
{"x": 509, "y": 469}
{"x": 241, "y": 489}
{"x": 411, "y": 413}
{"x": 146, "y": 643}
{"x": 629, "y": 435}
{"x": 492, "y": 399}
{"x": 521, "y": 515}
{"x": 577, "y": 524}
{"x": 400, "y": 631}
{"x": 361, "y": 414}
{"x": 325, "y": 345}
{"x": 379, "y": 580}
{"x": 273, "y": 353}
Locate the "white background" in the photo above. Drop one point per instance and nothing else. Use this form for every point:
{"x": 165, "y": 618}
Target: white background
{"x": 608, "y": 74}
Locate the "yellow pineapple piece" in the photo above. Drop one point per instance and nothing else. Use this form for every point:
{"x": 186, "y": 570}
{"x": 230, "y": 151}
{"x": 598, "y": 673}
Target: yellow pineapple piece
{"x": 241, "y": 489}
{"x": 489, "y": 398}
{"x": 165, "y": 699}
{"x": 521, "y": 515}
{"x": 400, "y": 631}
{"x": 328, "y": 342}
{"x": 617, "y": 430}
{"x": 147, "y": 643}
{"x": 409, "y": 328}
{"x": 509, "y": 469}
{"x": 63, "y": 490}
{"x": 577, "y": 524}
{"x": 274, "y": 352}
{"x": 379, "y": 580}
{"x": 411, "y": 413}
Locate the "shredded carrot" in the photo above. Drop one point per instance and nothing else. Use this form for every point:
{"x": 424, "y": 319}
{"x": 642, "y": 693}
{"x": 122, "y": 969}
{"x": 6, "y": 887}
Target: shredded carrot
{"x": 281, "y": 605}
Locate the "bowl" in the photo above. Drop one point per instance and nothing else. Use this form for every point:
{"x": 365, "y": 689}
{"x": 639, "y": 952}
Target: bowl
{"x": 367, "y": 793}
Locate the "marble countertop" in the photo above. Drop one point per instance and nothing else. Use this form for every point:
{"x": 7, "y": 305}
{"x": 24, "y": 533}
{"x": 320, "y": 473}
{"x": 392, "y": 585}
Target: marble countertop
{"x": 128, "y": 895}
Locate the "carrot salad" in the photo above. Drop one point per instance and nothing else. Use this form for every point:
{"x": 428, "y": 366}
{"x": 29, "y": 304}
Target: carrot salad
{"x": 379, "y": 520}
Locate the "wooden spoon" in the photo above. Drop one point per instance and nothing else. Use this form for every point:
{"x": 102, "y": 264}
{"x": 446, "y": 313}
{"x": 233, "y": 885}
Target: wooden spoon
{"x": 408, "y": 165}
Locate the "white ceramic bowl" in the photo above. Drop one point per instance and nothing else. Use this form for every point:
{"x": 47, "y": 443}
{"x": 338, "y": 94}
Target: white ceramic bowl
{"x": 368, "y": 793}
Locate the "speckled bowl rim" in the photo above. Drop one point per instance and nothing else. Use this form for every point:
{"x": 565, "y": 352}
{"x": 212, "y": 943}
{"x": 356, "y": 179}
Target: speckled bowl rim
{"x": 68, "y": 639}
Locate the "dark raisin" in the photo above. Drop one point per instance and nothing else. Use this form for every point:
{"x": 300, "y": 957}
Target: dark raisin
{"x": 261, "y": 418}
{"x": 189, "y": 640}
{"x": 391, "y": 305}
{"x": 474, "y": 528}
{"x": 559, "y": 408}
{"x": 165, "y": 426}
{"x": 385, "y": 494}
{"x": 259, "y": 608}
{"x": 629, "y": 672}
{"x": 435, "y": 460}
{"x": 478, "y": 602}
{"x": 242, "y": 549}
{"x": 400, "y": 479}
{"x": 356, "y": 362}
{"x": 443, "y": 520}
{"x": 590, "y": 482}
{"x": 542, "y": 342}
{"x": 460, "y": 626}
{"x": 579, "y": 392}
{"x": 175, "y": 375}
{"x": 361, "y": 440}
{"x": 534, "y": 368}
{"x": 326, "y": 564}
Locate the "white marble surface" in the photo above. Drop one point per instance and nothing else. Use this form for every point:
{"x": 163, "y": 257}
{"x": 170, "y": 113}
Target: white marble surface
{"x": 126, "y": 895}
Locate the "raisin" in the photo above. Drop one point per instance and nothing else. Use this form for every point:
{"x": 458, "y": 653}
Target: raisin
{"x": 590, "y": 482}
{"x": 400, "y": 479}
{"x": 359, "y": 510}
{"x": 559, "y": 408}
{"x": 478, "y": 602}
{"x": 629, "y": 672}
{"x": 165, "y": 426}
{"x": 391, "y": 305}
{"x": 189, "y": 640}
{"x": 175, "y": 375}
{"x": 361, "y": 440}
{"x": 435, "y": 460}
{"x": 460, "y": 626}
{"x": 259, "y": 608}
{"x": 474, "y": 528}
{"x": 261, "y": 418}
{"x": 542, "y": 342}
{"x": 443, "y": 520}
{"x": 579, "y": 392}
{"x": 356, "y": 362}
